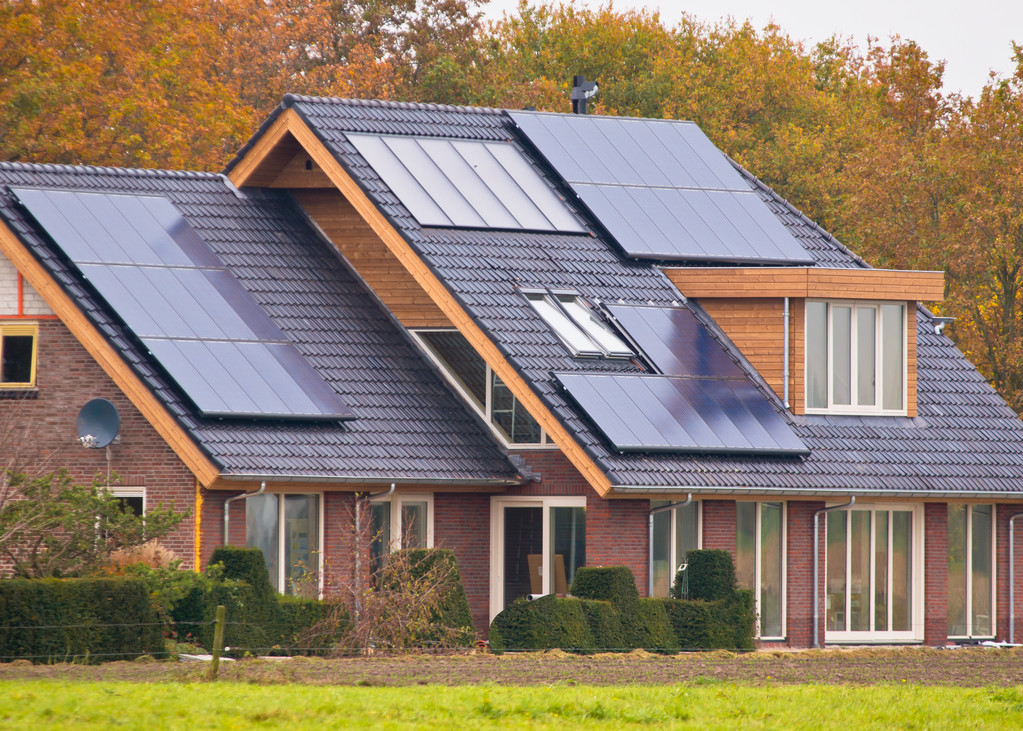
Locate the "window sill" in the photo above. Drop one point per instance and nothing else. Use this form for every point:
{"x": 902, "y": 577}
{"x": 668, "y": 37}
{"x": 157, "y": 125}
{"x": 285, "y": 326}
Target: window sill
{"x": 19, "y": 393}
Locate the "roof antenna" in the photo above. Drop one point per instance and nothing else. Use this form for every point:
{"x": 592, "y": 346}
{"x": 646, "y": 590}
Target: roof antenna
{"x": 582, "y": 91}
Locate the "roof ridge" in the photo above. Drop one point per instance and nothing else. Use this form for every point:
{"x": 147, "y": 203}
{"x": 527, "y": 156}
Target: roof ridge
{"x": 104, "y": 170}
{"x": 291, "y": 99}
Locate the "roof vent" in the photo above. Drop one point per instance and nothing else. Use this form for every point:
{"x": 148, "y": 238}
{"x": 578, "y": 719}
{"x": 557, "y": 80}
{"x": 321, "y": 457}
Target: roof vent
{"x": 582, "y": 91}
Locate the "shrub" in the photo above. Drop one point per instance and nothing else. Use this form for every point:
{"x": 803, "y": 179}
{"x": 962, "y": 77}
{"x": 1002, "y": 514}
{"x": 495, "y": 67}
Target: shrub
{"x": 711, "y": 575}
{"x": 544, "y": 623}
{"x": 653, "y": 631}
{"x": 56, "y": 620}
{"x": 697, "y": 625}
{"x": 452, "y": 607}
{"x": 605, "y": 624}
{"x": 614, "y": 584}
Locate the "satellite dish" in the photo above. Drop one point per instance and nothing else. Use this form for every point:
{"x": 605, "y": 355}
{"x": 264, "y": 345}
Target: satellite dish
{"x": 98, "y": 422}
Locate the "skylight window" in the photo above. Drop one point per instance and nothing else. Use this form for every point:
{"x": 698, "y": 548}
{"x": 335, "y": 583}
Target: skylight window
{"x": 578, "y": 326}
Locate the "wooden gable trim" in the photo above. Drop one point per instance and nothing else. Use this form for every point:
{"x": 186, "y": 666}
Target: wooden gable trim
{"x": 109, "y": 360}
{"x": 290, "y": 122}
{"x": 801, "y": 282}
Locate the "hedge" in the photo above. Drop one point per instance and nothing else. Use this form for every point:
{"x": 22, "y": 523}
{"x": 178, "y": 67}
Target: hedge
{"x": 90, "y": 620}
{"x": 596, "y": 620}
{"x": 711, "y": 575}
{"x": 617, "y": 585}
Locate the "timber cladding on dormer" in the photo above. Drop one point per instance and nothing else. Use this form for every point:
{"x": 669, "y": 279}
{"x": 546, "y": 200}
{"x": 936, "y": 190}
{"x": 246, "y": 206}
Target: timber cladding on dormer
{"x": 748, "y": 305}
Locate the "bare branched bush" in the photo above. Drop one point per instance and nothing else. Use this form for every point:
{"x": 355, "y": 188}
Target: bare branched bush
{"x": 412, "y": 601}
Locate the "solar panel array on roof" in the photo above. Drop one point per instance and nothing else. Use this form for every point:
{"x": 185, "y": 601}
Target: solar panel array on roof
{"x": 675, "y": 341}
{"x": 661, "y": 189}
{"x": 175, "y": 295}
{"x": 646, "y": 413}
{"x": 465, "y": 184}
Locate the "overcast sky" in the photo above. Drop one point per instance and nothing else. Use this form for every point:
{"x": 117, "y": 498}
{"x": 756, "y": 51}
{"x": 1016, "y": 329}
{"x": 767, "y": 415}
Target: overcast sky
{"x": 973, "y": 37}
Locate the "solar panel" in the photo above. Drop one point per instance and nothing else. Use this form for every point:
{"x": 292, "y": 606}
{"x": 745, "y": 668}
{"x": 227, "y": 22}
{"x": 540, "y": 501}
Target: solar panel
{"x": 661, "y": 189}
{"x": 675, "y": 341}
{"x": 465, "y": 184}
{"x": 195, "y": 317}
{"x": 647, "y": 413}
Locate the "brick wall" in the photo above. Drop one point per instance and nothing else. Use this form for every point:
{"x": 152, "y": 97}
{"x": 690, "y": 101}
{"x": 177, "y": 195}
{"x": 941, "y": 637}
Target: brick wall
{"x": 67, "y": 377}
{"x": 935, "y": 574}
{"x": 799, "y": 576}
{"x": 719, "y": 525}
{"x": 462, "y": 523}
{"x": 1002, "y": 554}
{"x": 16, "y": 295}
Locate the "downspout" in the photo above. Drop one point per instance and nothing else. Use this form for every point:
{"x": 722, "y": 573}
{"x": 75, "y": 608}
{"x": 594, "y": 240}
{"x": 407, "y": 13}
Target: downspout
{"x": 358, "y": 548}
{"x": 650, "y": 541}
{"x": 227, "y": 507}
{"x": 817, "y": 562}
{"x": 1012, "y": 577}
{"x": 785, "y": 356}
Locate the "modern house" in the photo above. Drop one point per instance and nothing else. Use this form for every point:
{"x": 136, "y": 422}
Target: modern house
{"x": 542, "y": 340}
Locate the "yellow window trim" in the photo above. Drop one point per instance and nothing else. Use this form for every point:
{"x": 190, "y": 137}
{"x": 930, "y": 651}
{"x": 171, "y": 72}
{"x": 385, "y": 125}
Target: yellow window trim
{"x": 21, "y": 329}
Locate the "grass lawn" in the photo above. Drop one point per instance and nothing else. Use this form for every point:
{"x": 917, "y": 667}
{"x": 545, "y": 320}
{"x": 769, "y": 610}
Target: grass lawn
{"x": 56, "y": 704}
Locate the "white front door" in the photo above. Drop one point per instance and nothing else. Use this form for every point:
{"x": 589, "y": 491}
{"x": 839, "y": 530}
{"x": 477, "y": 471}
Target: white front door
{"x": 536, "y": 544}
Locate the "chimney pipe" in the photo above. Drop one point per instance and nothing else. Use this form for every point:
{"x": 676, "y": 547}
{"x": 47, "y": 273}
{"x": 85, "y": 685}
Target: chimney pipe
{"x": 582, "y": 91}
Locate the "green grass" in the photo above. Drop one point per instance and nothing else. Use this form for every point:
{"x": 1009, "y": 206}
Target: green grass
{"x": 44, "y": 704}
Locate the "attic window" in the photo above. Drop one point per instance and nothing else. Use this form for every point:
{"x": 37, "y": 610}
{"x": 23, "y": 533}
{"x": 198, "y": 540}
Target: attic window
{"x": 18, "y": 355}
{"x": 578, "y": 326}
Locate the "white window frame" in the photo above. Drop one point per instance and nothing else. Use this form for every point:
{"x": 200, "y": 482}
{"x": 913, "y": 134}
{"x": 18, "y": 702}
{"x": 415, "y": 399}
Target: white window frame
{"x": 917, "y": 563}
{"x": 968, "y": 558}
{"x": 676, "y": 559}
{"x": 396, "y": 501}
{"x": 854, "y": 408}
{"x": 757, "y": 562}
{"x": 120, "y": 491}
{"x": 572, "y": 329}
{"x": 486, "y": 412}
{"x": 497, "y": 505}
{"x": 280, "y": 538}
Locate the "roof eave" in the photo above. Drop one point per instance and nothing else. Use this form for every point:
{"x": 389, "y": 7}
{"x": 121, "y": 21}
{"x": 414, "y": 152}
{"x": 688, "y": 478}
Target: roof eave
{"x": 622, "y": 490}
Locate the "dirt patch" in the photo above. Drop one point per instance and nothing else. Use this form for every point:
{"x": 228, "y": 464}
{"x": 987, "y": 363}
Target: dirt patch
{"x": 919, "y": 666}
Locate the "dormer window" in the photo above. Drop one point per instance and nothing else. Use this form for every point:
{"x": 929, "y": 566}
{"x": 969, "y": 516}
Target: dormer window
{"x": 481, "y": 387}
{"x": 578, "y": 326}
{"x": 855, "y": 357}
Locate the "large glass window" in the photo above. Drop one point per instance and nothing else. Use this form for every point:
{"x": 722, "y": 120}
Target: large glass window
{"x": 971, "y": 571}
{"x": 870, "y": 565}
{"x": 676, "y": 531}
{"x": 287, "y": 529}
{"x": 855, "y": 357}
{"x": 401, "y": 521}
{"x": 18, "y": 354}
{"x": 578, "y": 326}
{"x": 482, "y": 387}
{"x": 760, "y": 561}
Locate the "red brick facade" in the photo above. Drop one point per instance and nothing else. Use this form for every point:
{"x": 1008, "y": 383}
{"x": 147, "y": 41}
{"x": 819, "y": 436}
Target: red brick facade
{"x": 66, "y": 378}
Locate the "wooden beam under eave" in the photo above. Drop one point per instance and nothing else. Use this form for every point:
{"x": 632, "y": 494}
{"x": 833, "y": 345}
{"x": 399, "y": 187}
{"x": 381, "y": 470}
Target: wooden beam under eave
{"x": 108, "y": 359}
{"x": 802, "y": 282}
{"x": 395, "y": 242}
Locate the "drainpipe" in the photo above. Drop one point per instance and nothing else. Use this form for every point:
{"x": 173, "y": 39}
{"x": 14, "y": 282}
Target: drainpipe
{"x": 817, "y": 562}
{"x": 650, "y": 526}
{"x": 1012, "y": 577}
{"x": 785, "y": 356}
{"x": 227, "y": 507}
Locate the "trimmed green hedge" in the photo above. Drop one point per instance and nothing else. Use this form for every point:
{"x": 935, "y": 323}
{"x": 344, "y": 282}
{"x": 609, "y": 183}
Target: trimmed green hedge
{"x": 600, "y": 618}
{"x": 653, "y": 631}
{"x": 605, "y": 623}
{"x": 90, "y": 620}
{"x": 617, "y": 585}
{"x": 711, "y": 575}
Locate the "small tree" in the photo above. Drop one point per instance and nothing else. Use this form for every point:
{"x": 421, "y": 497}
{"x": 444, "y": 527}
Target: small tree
{"x": 50, "y": 526}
